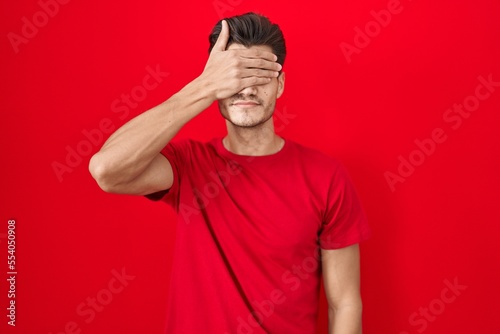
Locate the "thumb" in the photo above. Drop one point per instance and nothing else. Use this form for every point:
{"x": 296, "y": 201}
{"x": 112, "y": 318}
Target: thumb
{"x": 221, "y": 43}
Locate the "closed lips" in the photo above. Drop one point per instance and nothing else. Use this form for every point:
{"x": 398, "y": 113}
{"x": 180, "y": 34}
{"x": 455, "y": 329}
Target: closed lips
{"x": 245, "y": 103}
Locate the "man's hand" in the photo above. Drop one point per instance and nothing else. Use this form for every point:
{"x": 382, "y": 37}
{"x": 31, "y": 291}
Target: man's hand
{"x": 227, "y": 72}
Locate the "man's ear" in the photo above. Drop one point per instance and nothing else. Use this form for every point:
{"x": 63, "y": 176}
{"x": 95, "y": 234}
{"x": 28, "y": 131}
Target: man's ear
{"x": 281, "y": 84}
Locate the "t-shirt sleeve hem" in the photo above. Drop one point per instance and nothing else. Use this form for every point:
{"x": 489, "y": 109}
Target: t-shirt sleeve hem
{"x": 168, "y": 194}
{"x": 327, "y": 244}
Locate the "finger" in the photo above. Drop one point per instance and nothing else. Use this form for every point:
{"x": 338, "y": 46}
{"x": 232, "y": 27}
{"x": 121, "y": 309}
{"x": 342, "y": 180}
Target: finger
{"x": 256, "y": 53}
{"x": 254, "y": 81}
{"x": 257, "y": 72}
{"x": 261, "y": 63}
{"x": 221, "y": 43}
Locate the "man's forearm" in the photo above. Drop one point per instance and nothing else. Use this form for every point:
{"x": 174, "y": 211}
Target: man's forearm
{"x": 345, "y": 320}
{"x": 128, "y": 151}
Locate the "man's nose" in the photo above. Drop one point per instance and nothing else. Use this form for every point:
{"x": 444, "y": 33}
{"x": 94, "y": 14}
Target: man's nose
{"x": 252, "y": 90}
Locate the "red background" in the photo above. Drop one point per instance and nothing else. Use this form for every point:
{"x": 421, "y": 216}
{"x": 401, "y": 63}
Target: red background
{"x": 439, "y": 225}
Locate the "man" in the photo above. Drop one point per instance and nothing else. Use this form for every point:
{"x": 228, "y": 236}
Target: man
{"x": 259, "y": 216}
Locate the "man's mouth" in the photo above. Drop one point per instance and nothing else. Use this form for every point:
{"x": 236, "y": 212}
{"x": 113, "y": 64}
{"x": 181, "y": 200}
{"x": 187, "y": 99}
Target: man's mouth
{"x": 245, "y": 104}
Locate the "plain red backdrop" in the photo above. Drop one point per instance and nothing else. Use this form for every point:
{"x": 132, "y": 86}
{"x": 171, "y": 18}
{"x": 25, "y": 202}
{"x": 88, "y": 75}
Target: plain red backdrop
{"x": 438, "y": 227}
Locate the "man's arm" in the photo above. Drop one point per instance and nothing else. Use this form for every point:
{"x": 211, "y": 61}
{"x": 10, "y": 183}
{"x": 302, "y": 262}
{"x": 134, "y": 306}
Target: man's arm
{"x": 130, "y": 161}
{"x": 341, "y": 281}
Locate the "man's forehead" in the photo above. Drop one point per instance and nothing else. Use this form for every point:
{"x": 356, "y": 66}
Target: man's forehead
{"x": 256, "y": 47}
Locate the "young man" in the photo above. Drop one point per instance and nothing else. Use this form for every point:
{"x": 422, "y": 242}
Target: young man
{"x": 260, "y": 217}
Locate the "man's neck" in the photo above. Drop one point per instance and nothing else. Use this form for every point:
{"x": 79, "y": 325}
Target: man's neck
{"x": 257, "y": 141}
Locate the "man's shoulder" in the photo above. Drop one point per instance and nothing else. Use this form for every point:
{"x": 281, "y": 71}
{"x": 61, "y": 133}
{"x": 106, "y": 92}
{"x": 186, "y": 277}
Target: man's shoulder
{"x": 314, "y": 155}
{"x": 320, "y": 163}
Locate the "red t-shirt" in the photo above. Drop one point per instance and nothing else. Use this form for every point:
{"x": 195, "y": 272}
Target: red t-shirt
{"x": 248, "y": 237}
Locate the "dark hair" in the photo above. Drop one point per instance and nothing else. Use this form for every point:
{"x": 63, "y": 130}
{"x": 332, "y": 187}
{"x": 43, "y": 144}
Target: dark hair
{"x": 252, "y": 29}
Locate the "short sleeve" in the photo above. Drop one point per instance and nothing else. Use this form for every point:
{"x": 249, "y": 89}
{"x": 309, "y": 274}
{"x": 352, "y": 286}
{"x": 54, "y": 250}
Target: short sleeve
{"x": 176, "y": 153}
{"x": 344, "y": 222}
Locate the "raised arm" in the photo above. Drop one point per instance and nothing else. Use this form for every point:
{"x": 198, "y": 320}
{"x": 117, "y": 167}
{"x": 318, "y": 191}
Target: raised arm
{"x": 130, "y": 161}
{"x": 341, "y": 281}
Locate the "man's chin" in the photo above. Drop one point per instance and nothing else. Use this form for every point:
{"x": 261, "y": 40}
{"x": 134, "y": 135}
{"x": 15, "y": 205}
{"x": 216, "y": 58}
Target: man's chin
{"x": 245, "y": 123}
{"x": 245, "y": 117}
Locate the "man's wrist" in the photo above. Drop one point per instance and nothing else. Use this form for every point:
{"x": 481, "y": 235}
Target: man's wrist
{"x": 191, "y": 100}
{"x": 204, "y": 88}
